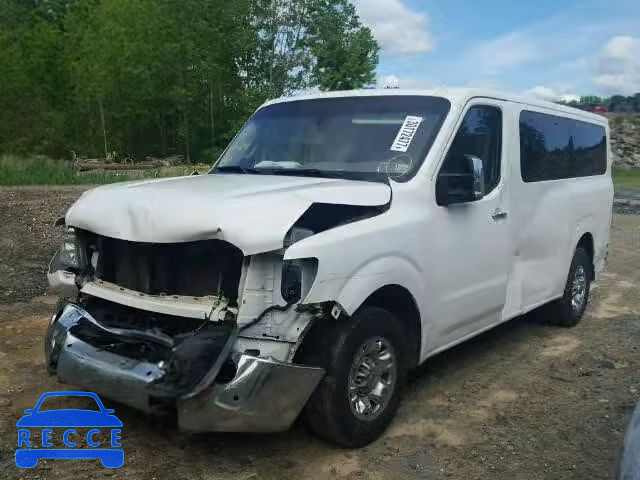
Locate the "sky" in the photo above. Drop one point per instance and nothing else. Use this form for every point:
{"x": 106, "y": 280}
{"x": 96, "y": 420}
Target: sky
{"x": 553, "y": 49}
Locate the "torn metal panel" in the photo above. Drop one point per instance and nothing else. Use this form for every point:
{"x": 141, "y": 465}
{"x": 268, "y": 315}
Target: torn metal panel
{"x": 182, "y": 306}
{"x": 108, "y": 374}
{"x": 254, "y": 400}
{"x": 187, "y": 355}
{"x": 61, "y": 281}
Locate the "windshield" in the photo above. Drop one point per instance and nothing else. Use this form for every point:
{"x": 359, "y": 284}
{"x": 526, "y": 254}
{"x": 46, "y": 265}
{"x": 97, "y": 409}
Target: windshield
{"x": 366, "y": 138}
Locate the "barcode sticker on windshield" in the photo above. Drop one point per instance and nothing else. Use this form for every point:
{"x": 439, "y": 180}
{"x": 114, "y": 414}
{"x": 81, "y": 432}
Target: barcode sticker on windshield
{"x": 406, "y": 133}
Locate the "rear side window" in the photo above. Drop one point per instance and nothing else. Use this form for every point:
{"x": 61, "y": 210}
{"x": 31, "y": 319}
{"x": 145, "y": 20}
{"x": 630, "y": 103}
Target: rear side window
{"x": 553, "y": 147}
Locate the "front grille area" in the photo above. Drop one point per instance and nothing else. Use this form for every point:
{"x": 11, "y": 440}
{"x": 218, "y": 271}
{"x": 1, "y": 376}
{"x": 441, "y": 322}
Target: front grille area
{"x": 208, "y": 267}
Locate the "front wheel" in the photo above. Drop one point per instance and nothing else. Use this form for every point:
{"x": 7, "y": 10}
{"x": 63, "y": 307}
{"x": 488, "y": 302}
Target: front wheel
{"x": 365, "y": 362}
{"x": 568, "y": 310}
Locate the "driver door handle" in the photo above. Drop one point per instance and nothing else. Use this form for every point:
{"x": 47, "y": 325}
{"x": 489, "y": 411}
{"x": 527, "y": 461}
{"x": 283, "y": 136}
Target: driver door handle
{"x": 499, "y": 214}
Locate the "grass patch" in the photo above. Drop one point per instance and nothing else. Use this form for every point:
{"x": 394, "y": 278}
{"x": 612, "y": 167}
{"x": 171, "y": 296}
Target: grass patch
{"x": 626, "y": 178}
{"x": 40, "y": 170}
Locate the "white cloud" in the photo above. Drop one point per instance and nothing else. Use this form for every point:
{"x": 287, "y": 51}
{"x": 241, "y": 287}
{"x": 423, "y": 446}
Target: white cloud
{"x": 618, "y": 65}
{"x": 505, "y": 52}
{"x": 397, "y": 28}
{"x": 551, "y": 94}
{"x": 545, "y": 93}
{"x": 550, "y": 51}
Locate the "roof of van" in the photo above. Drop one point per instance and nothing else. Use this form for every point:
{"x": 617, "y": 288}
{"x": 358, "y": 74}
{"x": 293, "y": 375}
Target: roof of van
{"x": 458, "y": 96}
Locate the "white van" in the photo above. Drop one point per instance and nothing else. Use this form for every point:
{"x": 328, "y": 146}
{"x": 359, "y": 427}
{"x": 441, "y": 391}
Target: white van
{"x": 339, "y": 241}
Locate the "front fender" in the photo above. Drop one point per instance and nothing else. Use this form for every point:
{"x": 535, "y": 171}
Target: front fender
{"x": 352, "y": 287}
{"x": 378, "y": 273}
{"x": 351, "y": 291}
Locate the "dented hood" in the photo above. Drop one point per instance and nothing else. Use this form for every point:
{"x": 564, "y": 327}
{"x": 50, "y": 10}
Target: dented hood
{"x": 253, "y": 212}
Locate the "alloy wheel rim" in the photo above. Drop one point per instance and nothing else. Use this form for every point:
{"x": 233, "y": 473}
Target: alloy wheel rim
{"x": 372, "y": 378}
{"x": 578, "y": 289}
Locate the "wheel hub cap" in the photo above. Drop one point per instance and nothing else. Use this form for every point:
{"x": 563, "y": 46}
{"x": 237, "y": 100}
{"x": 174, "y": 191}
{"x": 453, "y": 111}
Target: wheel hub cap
{"x": 372, "y": 378}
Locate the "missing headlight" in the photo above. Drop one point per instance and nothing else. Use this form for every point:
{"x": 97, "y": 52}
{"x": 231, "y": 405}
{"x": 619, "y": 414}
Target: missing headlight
{"x": 291, "y": 287}
{"x": 297, "y": 278}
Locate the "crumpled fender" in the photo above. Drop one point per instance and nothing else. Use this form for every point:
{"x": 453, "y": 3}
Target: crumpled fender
{"x": 350, "y": 288}
{"x": 253, "y": 212}
{"x": 377, "y": 274}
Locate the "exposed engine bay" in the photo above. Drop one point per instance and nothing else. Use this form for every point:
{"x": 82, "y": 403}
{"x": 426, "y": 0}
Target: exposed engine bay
{"x": 210, "y": 267}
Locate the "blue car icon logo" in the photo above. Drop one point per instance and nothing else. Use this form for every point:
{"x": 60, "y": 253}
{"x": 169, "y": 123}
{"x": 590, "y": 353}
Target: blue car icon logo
{"x": 41, "y": 419}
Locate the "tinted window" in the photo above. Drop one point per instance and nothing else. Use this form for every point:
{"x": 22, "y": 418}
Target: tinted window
{"x": 554, "y": 147}
{"x": 480, "y": 135}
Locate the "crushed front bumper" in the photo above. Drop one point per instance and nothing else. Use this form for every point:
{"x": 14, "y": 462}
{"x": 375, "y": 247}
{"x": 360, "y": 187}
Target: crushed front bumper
{"x": 263, "y": 395}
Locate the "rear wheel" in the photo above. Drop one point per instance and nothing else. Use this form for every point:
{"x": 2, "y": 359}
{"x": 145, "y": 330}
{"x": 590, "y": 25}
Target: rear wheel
{"x": 568, "y": 310}
{"x": 365, "y": 364}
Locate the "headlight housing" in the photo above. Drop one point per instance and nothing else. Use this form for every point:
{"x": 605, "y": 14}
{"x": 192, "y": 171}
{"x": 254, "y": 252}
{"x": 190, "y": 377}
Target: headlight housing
{"x": 71, "y": 256}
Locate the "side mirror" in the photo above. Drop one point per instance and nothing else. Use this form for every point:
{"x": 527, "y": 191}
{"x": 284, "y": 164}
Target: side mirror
{"x": 463, "y": 187}
{"x": 29, "y": 410}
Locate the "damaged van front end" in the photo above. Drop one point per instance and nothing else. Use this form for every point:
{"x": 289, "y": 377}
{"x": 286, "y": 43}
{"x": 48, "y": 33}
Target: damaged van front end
{"x": 176, "y": 295}
{"x": 197, "y": 373}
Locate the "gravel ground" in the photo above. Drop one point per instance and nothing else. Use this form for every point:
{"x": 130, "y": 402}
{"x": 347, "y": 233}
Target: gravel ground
{"x": 627, "y": 201}
{"x": 523, "y": 401}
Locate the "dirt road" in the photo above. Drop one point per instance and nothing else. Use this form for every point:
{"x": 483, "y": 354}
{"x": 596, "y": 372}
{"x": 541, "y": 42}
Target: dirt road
{"x": 524, "y": 401}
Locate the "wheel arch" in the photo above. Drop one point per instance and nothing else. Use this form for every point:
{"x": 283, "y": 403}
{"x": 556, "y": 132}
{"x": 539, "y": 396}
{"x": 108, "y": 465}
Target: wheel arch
{"x": 400, "y": 302}
{"x": 586, "y": 242}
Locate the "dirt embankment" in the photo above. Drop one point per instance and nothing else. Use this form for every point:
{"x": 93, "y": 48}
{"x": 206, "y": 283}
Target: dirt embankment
{"x": 524, "y": 401}
{"x": 625, "y": 140}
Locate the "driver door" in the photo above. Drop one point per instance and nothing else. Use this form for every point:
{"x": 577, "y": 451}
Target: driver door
{"x": 471, "y": 239}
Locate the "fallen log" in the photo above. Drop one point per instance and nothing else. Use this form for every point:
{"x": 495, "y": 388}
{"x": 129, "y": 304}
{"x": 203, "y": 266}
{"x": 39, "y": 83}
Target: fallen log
{"x": 85, "y": 167}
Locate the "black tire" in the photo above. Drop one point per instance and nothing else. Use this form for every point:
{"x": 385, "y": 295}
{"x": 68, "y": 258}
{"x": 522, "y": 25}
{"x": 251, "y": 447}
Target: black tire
{"x": 563, "y": 312}
{"x": 328, "y": 412}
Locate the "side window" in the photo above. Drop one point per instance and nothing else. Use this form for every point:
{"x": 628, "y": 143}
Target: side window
{"x": 480, "y": 134}
{"x": 553, "y": 147}
{"x": 589, "y": 149}
{"x": 545, "y": 147}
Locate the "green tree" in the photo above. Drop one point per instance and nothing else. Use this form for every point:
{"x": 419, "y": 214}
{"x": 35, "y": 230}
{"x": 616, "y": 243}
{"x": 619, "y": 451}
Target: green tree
{"x": 33, "y": 85}
{"x": 151, "y": 77}
{"x": 345, "y": 53}
{"x": 588, "y": 100}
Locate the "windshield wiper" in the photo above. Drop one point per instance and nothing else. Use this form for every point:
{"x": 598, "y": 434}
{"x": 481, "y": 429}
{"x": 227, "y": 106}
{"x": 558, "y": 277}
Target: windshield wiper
{"x": 237, "y": 169}
{"x": 305, "y": 172}
{"x": 339, "y": 174}
{"x": 310, "y": 172}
